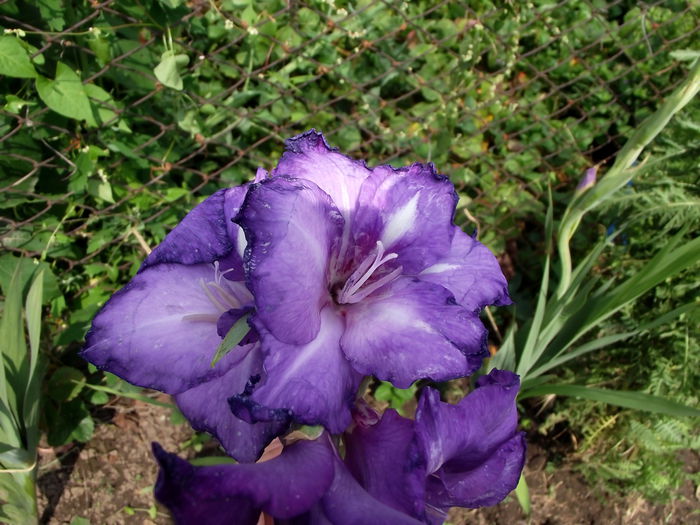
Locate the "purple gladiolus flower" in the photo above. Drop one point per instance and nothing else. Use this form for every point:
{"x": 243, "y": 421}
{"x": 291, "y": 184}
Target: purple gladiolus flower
{"x": 357, "y": 271}
{"x": 342, "y": 271}
{"x": 163, "y": 328}
{"x": 395, "y": 470}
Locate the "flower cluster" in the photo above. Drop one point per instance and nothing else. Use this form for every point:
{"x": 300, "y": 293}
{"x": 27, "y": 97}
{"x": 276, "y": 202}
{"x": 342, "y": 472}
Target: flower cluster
{"x": 336, "y": 272}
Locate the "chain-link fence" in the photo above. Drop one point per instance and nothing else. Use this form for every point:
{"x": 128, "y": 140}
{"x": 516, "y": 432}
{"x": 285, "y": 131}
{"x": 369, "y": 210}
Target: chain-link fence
{"x": 117, "y": 115}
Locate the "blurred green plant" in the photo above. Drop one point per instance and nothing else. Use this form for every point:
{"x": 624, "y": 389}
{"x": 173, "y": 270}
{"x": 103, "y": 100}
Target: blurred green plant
{"x": 626, "y": 450}
{"x": 561, "y": 327}
{"x": 583, "y": 299}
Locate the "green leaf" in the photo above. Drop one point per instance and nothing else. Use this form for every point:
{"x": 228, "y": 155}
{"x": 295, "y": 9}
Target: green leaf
{"x": 99, "y": 398}
{"x": 684, "y": 54}
{"x": 13, "y": 349}
{"x": 84, "y": 430}
{"x": 210, "y": 461}
{"x": 12, "y": 352}
{"x": 130, "y": 395}
{"x": 66, "y": 383}
{"x": 531, "y": 350}
{"x": 172, "y": 4}
{"x": 396, "y": 397}
{"x": 33, "y": 314}
{"x": 102, "y": 104}
{"x": 35, "y": 368}
{"x": 14, "y": 59}
{"x": 505, "y": 356}
{"x": 69, "y": 421}
{"x": 100, "y": 188}
{"x": 522, "y": 492}
{"x": 27, "y": 268}
{"x": 669, "y": 261}
{"x": 621, "y": 398}
{"x": 608, "y": 340}
{"x": 52, "y": 12}
{"x": 167, "y": 70}
{"x": 234, "y": 336}
{"x": 14, "y": 104}
{"x": 66, "y": 94}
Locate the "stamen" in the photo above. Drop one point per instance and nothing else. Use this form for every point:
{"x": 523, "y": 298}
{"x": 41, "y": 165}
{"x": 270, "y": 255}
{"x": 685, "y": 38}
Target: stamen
{"x": 227, "y": 297}
{"x": 223, "y": 294}
{"x": 349, "y": 293}
{"x": 209, "y": 318}
{"x": 215, "y": 301}
{"x": 240, "y": 292}
{"x": 357, "y": 297}
{"x": 218, "y": 274}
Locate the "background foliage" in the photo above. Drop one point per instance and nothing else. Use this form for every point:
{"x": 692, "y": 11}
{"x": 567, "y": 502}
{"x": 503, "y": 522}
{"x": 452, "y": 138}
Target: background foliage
{"x": 117, "y": 117}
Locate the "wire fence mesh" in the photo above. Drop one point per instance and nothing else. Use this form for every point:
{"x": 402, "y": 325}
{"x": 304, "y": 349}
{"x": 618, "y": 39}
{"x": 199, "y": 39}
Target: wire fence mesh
{"x": 117, "y": 116}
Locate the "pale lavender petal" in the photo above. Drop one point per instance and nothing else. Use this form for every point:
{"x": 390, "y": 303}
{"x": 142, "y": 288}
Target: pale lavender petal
{"x": 348, "y": 503}
{"x": 283, "y": 487}
{"x": 413, "y": 330}
{"x": 410, "y": 210}
{"x": 205, "y": 235}
{"x": 159, "y": 331}
{"x": 471, "y": 272}
{"x": 476, "y": 439}
{"x": 384, "y": 461}
{"x": 206, "y": 408}
{"x": 312, "y": 383}
{"x": 309, "y": 157}
{"x": 292, "y": 227}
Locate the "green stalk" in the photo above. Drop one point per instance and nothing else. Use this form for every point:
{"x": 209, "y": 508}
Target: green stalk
{"x": 622, "y": 170}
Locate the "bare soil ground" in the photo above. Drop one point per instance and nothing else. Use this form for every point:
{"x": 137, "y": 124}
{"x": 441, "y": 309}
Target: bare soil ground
{"x": 110, "y": 479}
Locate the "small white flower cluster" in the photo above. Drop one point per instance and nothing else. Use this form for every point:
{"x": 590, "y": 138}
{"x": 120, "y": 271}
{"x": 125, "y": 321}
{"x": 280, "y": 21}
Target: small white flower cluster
{"x": 19, "y": 32}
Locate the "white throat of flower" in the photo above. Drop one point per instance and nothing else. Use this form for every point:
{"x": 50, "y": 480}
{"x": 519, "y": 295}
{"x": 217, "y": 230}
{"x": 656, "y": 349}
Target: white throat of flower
{"x": 353, "y": 292}
{"x": 223, "y": 294}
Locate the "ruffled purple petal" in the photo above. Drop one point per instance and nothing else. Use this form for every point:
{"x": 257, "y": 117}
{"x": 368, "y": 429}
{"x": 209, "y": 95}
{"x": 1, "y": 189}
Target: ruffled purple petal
{"x": 413, "y": 330}
{"x": 312, "y": 383}
{"x": 206, "y": 234}
{"x": 292, "y": 227}
{"x": 483, "y": 486}
{"x": 473, "y": 447}
{"x": 283, "y": 487}
{"x": 410, "y": 210}
{"x": 142, "y": 333}
{"x": 206, "y": 407}
{"x": 471, "y": 272}
{"x": 348, "y": 503}
{"x": 309, "y": 157}
{"x": 382, "y": 459}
